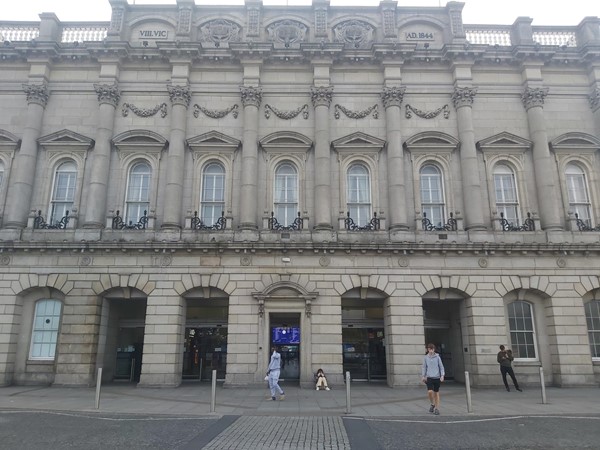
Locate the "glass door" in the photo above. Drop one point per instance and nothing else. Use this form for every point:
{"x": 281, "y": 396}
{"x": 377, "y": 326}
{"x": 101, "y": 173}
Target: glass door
{"x": 364, "y": 353}
{"x": 205, "y": 350}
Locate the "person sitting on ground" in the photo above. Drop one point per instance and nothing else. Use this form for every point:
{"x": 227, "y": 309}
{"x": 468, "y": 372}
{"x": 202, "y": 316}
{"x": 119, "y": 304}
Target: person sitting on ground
{"x": 321, "y": 380}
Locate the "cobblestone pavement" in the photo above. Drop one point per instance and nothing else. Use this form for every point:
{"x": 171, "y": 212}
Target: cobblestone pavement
{"x": 282, "y": 433}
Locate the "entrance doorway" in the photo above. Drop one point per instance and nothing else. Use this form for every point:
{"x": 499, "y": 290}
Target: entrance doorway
{"x": 205, "y": 350}
{"x": 364, "y": 353}
{"x": 285, "y": 334}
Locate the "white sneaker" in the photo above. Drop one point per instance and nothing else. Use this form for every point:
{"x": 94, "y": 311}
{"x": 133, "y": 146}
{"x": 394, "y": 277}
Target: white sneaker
{"x": 317, "y": 388}
{"x": 327, "y": 389}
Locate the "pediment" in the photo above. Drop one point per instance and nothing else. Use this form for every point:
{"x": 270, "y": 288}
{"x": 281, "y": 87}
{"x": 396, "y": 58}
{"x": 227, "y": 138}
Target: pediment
{"x": 66, "y": 139}
{"x": 213, "y": 140}
{"x": 575, "y": 141}
{"x": 432, "y": 141}
{"x": 8, "y": 140}
{"x": 140, "y": 141}
{"x": 504, "y": 142}
{"x": 286, "y": 140}
{"x": 358, "y": 140}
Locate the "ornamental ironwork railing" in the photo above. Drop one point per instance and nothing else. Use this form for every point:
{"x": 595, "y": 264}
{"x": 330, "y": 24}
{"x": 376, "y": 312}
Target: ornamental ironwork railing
{"x": 372, "y": 225}
{"x": 198, "y": 224}
{"x": 450, "y": 225}
{"x": 582, "y": 226}
{"x": 296, "y": 225}
{"x": 528, "y": 224}
{"x": 39, "y": 223}
{"x": 119, "y": 224}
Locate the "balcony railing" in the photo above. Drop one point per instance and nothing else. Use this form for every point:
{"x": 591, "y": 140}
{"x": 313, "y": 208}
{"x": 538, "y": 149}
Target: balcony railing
{"x": 296, "y": 225}
{"x": 450, "y": 225}
{"x": 197, "y": 224}
{"x": 372, "y": 225}
{"x": 582, "y": 226}
{"x": 119, "y": 224}
{"x": 528, "y": 224}
{"x": 39, "y": 223}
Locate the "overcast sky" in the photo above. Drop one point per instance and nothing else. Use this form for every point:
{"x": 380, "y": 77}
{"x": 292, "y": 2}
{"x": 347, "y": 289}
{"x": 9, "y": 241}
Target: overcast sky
{"x": 504, "y": 12}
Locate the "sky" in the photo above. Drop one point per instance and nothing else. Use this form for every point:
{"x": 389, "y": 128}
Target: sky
{"x": 500, "y": 12}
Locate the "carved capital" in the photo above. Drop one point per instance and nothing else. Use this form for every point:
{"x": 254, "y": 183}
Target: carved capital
{"x": 594, "y": 99}
{"x": 533, "y": 97}
{"x": 463, "y": 96}
{"x": 251, "y": 95}
{"x": 179, "y": 95}
{"x": 392, "y": 96}
{"x": 37, "y": 93}
{"x": 108, "y": 93}
{"x": 321, "y": 96}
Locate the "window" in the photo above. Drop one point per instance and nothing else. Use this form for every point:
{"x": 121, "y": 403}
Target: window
{"x": 45, "y": 329}
{"x": 63, "y": 192}
{"x": 522, "y": 333}
{"x": 213, "y": 193}
{"x": 138, "y": 192}
{"x": 1, "y": 174}
{"x": 432, "y": 195}
{"x": 505, "y": 187}
{"x": 285, "y": 197}
{"x": 592, "y": 316}
{"x": 577, "y": 192}
{"x": 359, "y": 194}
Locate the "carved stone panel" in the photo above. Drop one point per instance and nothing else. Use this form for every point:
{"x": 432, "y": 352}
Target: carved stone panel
{"x": 287, "y": 32}
{"x": 354, "y": 33}
{"x": 219, "y": 31}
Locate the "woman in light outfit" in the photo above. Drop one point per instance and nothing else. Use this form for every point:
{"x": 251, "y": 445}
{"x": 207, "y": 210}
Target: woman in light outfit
{"x": 273, "y": 374}
{"x": 321, "y": 380}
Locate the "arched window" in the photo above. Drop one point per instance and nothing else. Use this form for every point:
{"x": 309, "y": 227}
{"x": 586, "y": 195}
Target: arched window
{"x": 577, "y": 192}
{"x": 285, "y": 198}
{"x": 44, "y": 334}
{"x": 213, "y": 193}
{"x": 63, "y": 191}
{"x": 505, "y": 186}
{"x": 359, "y": 194}
{"x": 432, "y": 195}
{"x": 592, "y": 316}
{"x": 522, "y": 329}
{"x": 138, "y": 192}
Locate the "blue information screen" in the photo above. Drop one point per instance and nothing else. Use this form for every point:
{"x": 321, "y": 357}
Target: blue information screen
{"x": 285, "y": 335}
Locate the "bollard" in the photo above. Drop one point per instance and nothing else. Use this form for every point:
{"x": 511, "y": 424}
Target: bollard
{"x": 468, "y": 391}
{"x": 213, "y": 393}
{"x": 543, "y": 386}
{"x": 348, "y": 401}
{"x": 98, "y": 385}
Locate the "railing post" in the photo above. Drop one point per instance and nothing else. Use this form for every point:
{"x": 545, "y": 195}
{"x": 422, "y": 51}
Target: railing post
{"x": 543, "y": 384}
{"x": 213, "y": 392}
{"x": 468, "y": 391}
{"x": 348, "y": 400}
{"x": 98, "y": 385}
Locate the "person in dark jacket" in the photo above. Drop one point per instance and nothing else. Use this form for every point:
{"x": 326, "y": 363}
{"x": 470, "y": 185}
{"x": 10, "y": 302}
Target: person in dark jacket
{"x": 432, "y": 374}
{"x": 505, "y": 359}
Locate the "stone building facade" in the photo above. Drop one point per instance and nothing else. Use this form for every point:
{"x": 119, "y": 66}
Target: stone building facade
{"x": 186, "y": 186}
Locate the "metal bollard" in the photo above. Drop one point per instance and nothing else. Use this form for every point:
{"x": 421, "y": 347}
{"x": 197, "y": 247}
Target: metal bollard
{"x": 543, "y": 386}
{"x": 98, "y": 385}
{"x": 348, "y": 401}
{"x": 213, "y": 393}
{"x": 468, "y": 391}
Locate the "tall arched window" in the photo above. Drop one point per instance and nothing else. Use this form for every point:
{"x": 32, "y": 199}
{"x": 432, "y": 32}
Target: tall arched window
{"x": 432, "y": 194}
{"x": 138, "y": 192}
{"x": 44, "y": 334}
{"x": 359, "y": 194}
{"x": 522, "y": 329}
{"x": 505, "y": 187}
{"x": 577, "y": 192}
{"x": 63, "y": 191}
{"x": 592, "y": 317}
{"x": 213, "y": 193}
{"x": 285, "y": 198}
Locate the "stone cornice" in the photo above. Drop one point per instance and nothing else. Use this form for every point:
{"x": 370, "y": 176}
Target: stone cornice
{"x": 533, "y": 97}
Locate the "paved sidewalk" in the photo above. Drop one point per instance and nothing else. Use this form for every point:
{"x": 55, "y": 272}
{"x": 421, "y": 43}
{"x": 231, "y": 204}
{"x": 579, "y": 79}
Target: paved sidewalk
{"x": 367, "y": 400}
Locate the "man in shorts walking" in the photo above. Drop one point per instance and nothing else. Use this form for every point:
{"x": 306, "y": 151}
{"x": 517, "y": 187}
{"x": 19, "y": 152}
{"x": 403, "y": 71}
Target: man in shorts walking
{"x": 432, "y": 374}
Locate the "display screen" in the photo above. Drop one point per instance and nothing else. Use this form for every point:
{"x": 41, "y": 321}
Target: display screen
{"x": 285, "y": 335}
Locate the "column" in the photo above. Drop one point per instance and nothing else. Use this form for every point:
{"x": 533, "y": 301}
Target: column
{"x": 543, "y": 164}
{"x": 21, "y": 186}
{"x": 180, "y": 100}
{"x": 462, "y": 98}
{"x": 321, "y": 98}
{"x": 392, "y": 100}
{"x": 95, "y": 209}
{"x": 251, "y": 100}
